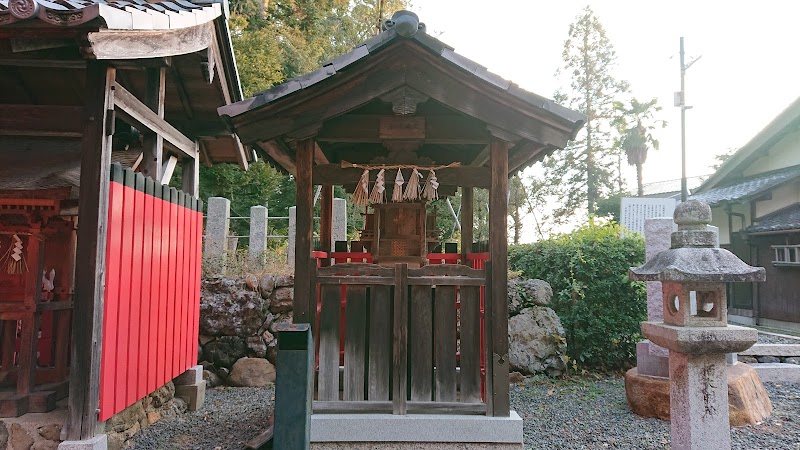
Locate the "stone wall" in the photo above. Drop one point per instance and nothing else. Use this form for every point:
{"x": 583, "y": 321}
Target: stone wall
{"x": 237, "y": 324}
{"x": 43, "y": 431}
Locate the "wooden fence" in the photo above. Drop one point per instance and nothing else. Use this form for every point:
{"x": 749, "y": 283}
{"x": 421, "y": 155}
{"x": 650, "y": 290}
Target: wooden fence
{"x": 402, "y": 333}
{"x": 152, "y": 292}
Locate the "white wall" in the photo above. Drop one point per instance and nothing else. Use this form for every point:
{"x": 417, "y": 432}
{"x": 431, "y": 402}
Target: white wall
{"x": 784, "y": 196}
{"x": 785, "y": 153}
{"x": 719, "y": 218}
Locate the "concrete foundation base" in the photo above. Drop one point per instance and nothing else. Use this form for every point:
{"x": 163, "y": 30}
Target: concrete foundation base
{"x": 193, "y": 394}
{"x": 748, "y": 401}
{"x": 410, "y": 446}
{"x": 99, "y": 442}
{"x": 414, "y": 431}
{"x": 778, "y": 372}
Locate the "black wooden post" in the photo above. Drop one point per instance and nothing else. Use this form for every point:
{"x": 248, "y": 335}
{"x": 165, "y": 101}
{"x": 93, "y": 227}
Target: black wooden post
{"x": 326, "y": 222}
{"x": 304, "y": 199}
{"x": 293, "y": 387}
{"x": 467, "y": 196}
{"x": 84, "y": 387}
{"x": 498, "y": 248}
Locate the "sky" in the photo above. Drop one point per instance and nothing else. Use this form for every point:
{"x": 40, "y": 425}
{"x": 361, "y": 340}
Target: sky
{"x": 746, "y": 75}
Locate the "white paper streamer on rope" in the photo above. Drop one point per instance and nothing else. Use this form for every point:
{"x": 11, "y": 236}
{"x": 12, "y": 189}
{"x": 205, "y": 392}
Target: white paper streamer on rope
{"x": 379, "y": 190}
{"x": 430, "y": 191}
{"x": 13, "y": 260}
{"x": 412, "y": 188}
{"x": 361, "y": 194}
{"x": 397, "y": 193}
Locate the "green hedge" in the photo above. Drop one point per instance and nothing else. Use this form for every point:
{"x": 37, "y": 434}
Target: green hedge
{"x": 599, "y": 306}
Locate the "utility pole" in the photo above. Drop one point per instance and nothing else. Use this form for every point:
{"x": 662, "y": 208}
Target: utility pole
{"x": 680, "y": 101}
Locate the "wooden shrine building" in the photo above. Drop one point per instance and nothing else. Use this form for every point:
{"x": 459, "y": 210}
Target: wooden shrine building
{"x": 86, "y": 83}
{"x": 413, "y": 333}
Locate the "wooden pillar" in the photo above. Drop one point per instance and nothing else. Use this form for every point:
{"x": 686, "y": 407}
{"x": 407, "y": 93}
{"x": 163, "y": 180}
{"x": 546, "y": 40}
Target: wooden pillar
{"x": 153, "y": 144}
{"x": 326, "y": 222}
{"x": 498, "y": 248}
{"x": 467, "y": 217}
{"x": 304, "y": 200}
{"x": 91, "y": 251}
{"x": 190, "y": 171}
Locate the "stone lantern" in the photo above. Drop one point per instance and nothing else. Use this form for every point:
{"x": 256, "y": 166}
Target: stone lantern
{"x": 698, "y": 336}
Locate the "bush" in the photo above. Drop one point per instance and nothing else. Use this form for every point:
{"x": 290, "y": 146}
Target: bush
{"x": 599, "y": 306}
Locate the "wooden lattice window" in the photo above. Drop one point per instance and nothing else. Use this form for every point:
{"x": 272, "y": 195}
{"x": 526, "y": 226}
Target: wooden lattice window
{"x": 786, "y": 255}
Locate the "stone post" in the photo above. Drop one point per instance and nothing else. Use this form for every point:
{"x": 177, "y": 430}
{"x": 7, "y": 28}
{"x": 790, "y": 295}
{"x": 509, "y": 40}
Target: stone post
{"x": 339, "y": 221}
{"x": 217, "y": 223}
{"x": 697, "y": 338}
{"x": 292, "y": 235}
{"x": 258, "y": 236}
{"x": 651, "y": 359}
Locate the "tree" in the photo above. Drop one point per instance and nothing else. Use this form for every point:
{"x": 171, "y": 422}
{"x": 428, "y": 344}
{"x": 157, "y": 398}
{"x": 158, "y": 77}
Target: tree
{"x": 635, "y": 124}
{"x": 585, "y": 171}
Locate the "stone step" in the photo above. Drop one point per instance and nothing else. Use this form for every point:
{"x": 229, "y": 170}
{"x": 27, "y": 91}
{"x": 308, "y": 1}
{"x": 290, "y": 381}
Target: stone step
{"x": 772, "y": 350}
{"x": 777, "y": 372}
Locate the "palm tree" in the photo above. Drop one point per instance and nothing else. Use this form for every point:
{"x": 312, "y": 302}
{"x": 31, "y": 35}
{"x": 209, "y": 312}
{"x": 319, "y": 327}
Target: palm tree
{"x": 635, "y": 124}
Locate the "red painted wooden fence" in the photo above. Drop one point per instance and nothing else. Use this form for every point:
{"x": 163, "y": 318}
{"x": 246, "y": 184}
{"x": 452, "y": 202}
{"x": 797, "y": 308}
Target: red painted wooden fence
{"x": 152, "y": 293}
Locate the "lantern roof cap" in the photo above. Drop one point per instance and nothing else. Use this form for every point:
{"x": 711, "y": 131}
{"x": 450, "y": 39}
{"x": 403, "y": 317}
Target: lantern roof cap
{"x": 694, "y": 256}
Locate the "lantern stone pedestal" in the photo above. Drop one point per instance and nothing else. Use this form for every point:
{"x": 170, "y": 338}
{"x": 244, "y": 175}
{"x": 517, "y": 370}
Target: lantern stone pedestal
{"x": 695, "y": 330}
{"x": 748, "y": 401}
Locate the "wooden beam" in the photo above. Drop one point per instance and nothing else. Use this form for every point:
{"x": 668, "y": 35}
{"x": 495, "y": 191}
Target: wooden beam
{"x": 482, "y": 158}
{"x": 467, "y": 221}
{"x": 204, "y": 153}
{"x": 190, "y": 172}
{"x": 43, "y": 63}
{"x": 521, "y": 154}
{"x": 134, "y": 44}
{"x": 319, "y": 156}
{"x": 42, "y": 121}
{"x": 219, "y": 68}
{"x": 497, "y": 324}
{"x": 87, "y": 333}
{"x": 279, "y": 153}
{"x": 183, "y": 94}
{"x": 153, "y": 143}
{"x": 326, "y": 220}
{"x": 358, "y": 128}
{"x": 334, "y": 174}
{"x": 140, "y": 116}
{"x": 241, "y": 155}
{"x": 304, "y": 199}
{"x": 168, "y": 169}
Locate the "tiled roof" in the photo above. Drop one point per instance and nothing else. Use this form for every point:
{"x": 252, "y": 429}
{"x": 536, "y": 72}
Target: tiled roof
{"x": 748, "y": 187}
{"x": 375, "y": 44}
{"x": 113, "y": 14}
{"x": 785, "y": 219}
{"x": 671, "y": 186}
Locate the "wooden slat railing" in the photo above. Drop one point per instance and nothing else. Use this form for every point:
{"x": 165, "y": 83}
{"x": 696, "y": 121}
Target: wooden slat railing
{"x": 402, "y": 332}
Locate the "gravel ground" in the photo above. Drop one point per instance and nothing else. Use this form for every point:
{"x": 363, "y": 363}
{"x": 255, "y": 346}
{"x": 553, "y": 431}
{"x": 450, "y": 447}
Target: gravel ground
{"x": 773, "y": 339}
{"x": 229, "y": 418}
{"x": 593, "y": 414}
{"x": 584, "y": 413}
